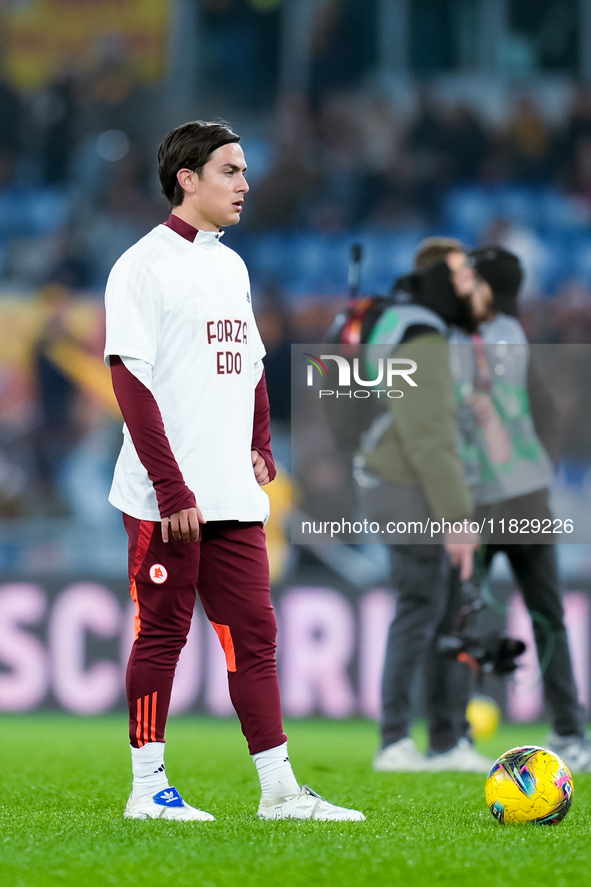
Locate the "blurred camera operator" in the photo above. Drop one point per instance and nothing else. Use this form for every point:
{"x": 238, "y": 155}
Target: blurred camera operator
{"x": 512, "y": 482}
{"x": 409, "y": 470}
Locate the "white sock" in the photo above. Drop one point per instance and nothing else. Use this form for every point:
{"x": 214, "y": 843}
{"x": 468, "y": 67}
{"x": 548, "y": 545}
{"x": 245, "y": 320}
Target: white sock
{"x": 149, "y": 775}
{"x": 275, "y": 773}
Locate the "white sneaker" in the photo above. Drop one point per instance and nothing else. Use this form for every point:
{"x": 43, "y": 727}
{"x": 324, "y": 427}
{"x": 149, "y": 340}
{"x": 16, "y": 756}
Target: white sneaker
{"x": 462, "y": 756}
{"x": 306, "y": 805}
{"x": 167, "y": 804}
{"x": 399, "y": 757}
{"x": 574, "y": 750}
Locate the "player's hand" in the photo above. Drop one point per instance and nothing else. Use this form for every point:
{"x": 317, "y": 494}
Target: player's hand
{"x": 462, "y": 553}
{"x": 183, "y": 525}
{"x": 261, "y": 472}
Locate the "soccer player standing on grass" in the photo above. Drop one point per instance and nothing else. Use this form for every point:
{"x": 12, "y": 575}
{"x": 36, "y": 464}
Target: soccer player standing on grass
{"x": 186, "y": 363}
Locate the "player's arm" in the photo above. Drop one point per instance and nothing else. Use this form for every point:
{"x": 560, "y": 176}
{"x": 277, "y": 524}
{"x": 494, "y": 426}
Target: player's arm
{"x": 261, "y": 454}
{"x": 176, "y": 502}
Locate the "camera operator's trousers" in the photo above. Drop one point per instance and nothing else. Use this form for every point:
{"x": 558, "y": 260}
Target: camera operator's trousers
{"x": 535, "y": 570}
{"x": 229, "y": 569}
{"x": 429, "y": 593}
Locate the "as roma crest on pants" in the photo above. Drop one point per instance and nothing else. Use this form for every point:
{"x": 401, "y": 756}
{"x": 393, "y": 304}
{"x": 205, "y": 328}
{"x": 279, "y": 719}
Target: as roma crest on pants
{"x": 158, "y": 574}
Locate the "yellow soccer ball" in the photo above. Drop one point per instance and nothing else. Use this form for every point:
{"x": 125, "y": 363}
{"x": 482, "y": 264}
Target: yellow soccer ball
{"x": 484, "y": 717}
{"x": 529, "y": 784}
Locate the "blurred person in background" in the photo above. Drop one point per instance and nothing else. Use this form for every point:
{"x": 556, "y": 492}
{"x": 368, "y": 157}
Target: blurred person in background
{"x": 11, "y": 121}
{"x": 58, "y": 427}
{"x": 466, "y": 143}
{"x": 122, "y": 209}
{"x": 408, "y": 470}
{"x": 275, "y": 326}
{"x": 426, "y": 146}
{"x": 529, "y": 142}
{"x": 510, "y": 472}
{"x": 293, "y": 176}
{"x": 53, "y": 114}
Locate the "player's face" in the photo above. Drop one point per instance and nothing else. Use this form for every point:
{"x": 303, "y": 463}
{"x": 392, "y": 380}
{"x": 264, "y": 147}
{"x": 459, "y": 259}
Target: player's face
{"x": 218, "y": 194}
{"x": 462, "y": 275}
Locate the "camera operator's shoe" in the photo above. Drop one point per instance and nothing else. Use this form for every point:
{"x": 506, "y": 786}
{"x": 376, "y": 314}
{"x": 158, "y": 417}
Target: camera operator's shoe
{"x": 399, "y": 757}
{"x": 574, "y": 750}
{"x": 462, "y": 757}
{"x": 306, "y": 804}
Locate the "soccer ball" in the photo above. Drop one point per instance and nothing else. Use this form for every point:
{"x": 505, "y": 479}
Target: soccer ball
{"x": 484, "y": 716}
{"x": 529, "y": 784}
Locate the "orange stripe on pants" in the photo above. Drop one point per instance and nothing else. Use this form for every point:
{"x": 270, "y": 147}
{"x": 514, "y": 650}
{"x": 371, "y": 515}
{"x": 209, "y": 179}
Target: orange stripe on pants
{"x": 146, "y": 706}
{"x": 143, "y": 543}
{"x": 225, "y": 636}
{"x": 153, "y": 728}
{"x": 138, "y": 729}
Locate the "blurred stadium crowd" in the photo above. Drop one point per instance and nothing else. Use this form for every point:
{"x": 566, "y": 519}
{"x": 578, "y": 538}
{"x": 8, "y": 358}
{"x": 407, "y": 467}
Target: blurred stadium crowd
{"x": 77, "y": 181}
{"x": 344, "y": 159}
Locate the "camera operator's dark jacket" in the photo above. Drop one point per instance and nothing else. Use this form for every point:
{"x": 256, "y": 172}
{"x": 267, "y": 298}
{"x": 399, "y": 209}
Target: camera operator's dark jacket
{"x": 415, "y": 442}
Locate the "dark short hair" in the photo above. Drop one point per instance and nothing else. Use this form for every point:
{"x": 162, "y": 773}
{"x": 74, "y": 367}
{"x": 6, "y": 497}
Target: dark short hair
{"x": 433, "y": 250}
{"x": 503, "y": 272}
{"x": 189, "y": 146}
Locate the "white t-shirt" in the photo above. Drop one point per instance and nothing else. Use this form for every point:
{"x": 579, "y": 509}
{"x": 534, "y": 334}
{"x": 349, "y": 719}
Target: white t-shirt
{"x": 184, "y": 308}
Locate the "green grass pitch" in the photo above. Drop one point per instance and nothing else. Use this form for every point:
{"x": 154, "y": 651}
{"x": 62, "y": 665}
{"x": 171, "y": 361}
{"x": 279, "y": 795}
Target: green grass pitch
{"x": 65, "y": 781}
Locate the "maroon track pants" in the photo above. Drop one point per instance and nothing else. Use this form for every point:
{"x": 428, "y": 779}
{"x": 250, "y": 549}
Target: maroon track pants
{"x": 229, "y": 569}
